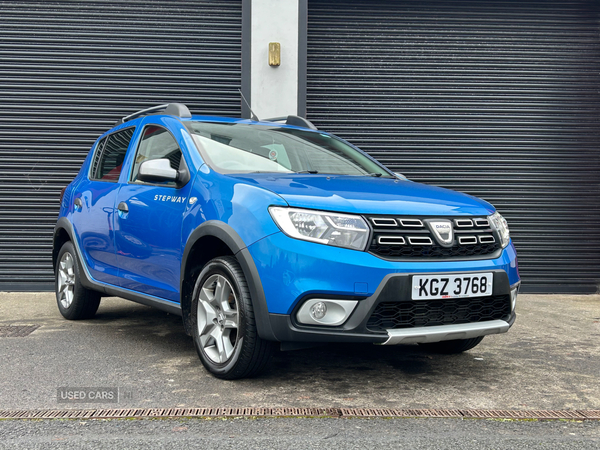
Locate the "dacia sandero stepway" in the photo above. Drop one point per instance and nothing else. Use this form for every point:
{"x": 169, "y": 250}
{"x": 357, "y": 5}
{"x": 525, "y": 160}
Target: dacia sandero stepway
{"x": 274, "y": 234}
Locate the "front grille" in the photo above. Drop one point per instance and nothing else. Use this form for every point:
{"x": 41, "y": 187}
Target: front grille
{"x": 410, "y": 238}
{"x": 429, "y": 313}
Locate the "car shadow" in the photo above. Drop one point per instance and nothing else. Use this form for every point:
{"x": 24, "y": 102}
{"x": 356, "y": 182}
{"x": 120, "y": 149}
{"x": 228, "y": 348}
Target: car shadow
{"x": 335, "y": 366}
{"x": 134, "y": 321}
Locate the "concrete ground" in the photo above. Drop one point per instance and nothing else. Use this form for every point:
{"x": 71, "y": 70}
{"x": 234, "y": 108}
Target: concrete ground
{"x": 550, "y": 359}
{"x": 298, "y": 434}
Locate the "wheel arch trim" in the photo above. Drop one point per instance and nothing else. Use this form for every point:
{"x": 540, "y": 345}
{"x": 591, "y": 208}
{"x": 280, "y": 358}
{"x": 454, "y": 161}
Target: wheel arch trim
{"x": 231, "y": 239}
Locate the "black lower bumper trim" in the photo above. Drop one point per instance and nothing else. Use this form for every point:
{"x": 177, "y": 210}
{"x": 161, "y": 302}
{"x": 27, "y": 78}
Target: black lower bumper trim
{"x": 286, "y": 331}
{"x": 395, "y": 288}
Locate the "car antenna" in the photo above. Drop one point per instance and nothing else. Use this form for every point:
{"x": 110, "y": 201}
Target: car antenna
{"x": 252, "y": 115}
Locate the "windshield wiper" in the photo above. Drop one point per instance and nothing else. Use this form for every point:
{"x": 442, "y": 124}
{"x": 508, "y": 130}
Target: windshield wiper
{"x": 308, "y": 171}
{"x": 375, "y": 174}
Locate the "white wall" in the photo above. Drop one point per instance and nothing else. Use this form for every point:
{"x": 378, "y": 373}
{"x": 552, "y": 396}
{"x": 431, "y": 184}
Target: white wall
{"x": 274, "y": 90}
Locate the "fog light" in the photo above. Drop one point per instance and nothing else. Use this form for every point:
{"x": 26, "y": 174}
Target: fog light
{"x": 318, "y": 310}
{"x": 325, "y": 311}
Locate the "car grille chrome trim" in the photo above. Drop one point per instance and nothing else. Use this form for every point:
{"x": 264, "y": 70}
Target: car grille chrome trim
{"x": 391, "y": 240}
{"x": 384, "y": 222}
{"x": 462, "y": 223}
{"x": 473, "y": 238}
{"x": 418, "y": 240}
{"x": 413, "y": 223}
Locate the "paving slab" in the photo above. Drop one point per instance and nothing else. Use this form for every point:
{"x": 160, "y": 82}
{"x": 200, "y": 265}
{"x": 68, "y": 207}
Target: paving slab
{"x": 550, "y": 359}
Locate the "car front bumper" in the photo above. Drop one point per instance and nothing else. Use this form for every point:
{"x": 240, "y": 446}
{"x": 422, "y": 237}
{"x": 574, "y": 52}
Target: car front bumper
{"x": 359, "y": 326}
{"x": 293, "y": 272}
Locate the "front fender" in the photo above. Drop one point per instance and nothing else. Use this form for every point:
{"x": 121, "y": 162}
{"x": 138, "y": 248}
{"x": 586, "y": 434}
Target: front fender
{"x": 232, "y": 239}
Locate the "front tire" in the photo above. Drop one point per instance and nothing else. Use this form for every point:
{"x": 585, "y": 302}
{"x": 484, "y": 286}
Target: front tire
{"x": 452, "y": 347}
{"x": 223, "y": 324}
{"x": 75, "y": 302}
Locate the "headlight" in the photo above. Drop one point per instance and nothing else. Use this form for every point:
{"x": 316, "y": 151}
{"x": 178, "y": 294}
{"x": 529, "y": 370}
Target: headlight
{"x": 499, "y": 223}
{"x": 339, "y": 230}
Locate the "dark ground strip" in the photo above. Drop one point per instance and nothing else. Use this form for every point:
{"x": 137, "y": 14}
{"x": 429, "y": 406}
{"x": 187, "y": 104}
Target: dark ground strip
{"x": 299, "y": 412}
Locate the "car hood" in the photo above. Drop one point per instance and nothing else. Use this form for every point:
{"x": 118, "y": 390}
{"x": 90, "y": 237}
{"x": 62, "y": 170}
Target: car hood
{"x": 367, "y": 195}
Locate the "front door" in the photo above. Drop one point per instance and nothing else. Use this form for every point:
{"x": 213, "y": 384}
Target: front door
{"x": 148, "y": 222}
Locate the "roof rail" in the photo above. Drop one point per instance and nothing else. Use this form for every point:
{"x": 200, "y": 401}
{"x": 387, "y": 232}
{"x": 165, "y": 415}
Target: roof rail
{"x": 296, "y": 121}
{"x": 173, "y": 109}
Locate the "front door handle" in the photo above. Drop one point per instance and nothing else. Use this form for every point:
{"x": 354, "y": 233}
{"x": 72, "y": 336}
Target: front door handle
{"x": 123, "y": 207}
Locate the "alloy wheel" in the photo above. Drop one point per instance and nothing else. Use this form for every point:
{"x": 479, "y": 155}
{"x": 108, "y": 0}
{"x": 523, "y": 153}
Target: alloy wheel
{"x": 66, "y": 280}
{"x": 218, "y": 318}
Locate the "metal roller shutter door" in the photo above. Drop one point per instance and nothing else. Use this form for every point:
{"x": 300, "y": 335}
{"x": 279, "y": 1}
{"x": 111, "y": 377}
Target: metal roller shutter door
{"x": 497, "y": 99}
{"x": 68, "y": 71}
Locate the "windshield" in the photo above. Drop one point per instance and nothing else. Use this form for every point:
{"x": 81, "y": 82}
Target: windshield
{"x": 250, "y": 148}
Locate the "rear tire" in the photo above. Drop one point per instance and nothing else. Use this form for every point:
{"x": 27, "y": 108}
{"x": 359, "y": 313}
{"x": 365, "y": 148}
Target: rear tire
{"x": 75, "y": 302}
{"x": 223, "y": 324}
{"x": 452, "y": 347}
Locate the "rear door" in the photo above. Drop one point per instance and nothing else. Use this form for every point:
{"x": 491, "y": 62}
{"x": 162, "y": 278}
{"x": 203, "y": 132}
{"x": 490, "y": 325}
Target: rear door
{"x": 93, "y": 216}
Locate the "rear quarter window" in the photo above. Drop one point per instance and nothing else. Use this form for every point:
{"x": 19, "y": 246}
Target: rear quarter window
{"x": 110, "y": 154}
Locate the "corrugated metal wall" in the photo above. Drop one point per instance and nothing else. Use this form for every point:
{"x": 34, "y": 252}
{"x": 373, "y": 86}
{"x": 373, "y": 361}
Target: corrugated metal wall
{"x": 497, "y": 99}
{"x": 68, "y": 71}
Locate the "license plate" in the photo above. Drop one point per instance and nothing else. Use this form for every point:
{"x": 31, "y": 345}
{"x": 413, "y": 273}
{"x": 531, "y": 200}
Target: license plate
{"x": 460, "y": 285}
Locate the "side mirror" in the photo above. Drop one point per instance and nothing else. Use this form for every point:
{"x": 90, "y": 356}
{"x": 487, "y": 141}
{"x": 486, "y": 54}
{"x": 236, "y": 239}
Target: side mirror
{"x": 157, "y": 170}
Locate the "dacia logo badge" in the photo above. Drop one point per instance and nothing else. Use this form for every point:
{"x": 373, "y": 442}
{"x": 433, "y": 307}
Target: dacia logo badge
{"x": 442, "y": 229}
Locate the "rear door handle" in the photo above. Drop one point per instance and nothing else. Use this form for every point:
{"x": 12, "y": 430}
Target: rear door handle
{"x": 123, "y": 207}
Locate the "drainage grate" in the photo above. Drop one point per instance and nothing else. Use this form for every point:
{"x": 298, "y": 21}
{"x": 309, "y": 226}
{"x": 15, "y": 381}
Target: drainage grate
{"x": 299, "y": 412}
{"x": 17, "y": 330}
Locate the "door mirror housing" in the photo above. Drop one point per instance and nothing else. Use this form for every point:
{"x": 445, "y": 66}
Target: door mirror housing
{"x": 157, "y": 170}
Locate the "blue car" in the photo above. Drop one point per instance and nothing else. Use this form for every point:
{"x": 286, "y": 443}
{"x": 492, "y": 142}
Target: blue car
{"x": 267, "y": 235}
